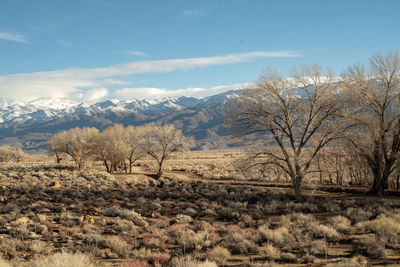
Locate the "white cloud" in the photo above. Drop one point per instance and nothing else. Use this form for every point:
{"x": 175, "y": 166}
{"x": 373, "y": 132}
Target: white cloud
{"x": 15, "y": 37}
{"x": 131, "y": 52}
{"x": 74, "y": 81}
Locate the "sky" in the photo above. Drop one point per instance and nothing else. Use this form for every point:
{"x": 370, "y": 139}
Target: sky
{"x": 93, "y": 50}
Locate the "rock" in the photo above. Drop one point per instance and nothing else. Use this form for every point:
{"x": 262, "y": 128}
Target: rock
{"x": 23, "y": 220}
{"x": 55, "y": 184}
{"x": 41, "y": 217}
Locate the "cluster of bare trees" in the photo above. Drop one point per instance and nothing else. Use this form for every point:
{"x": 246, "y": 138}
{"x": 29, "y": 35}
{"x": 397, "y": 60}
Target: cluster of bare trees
{"x": 11, "y": 154}
{"x": 119, "y": 147}
{"x": 312, "y": 109}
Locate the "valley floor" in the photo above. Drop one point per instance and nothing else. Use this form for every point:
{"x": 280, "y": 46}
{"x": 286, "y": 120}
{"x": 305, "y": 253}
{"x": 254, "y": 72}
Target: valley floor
{"x": 184, "y": 219}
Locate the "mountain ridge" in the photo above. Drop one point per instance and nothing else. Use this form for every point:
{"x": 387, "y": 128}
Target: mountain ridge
{"x": 31, "y": 125}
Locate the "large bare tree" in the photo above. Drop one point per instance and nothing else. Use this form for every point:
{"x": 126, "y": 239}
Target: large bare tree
{"x": 376, "y": 113}
{"x": 302, "y": 113}
{"x": 161, "y": 141}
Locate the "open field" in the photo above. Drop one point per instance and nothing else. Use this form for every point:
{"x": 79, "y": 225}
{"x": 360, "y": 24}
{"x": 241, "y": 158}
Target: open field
{"x": 201, "y": 210}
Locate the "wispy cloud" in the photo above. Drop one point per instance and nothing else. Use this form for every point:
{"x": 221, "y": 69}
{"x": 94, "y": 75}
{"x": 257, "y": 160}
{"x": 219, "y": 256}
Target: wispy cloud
{"x": 15, "y": 37}
{"x": 64, "y": 43}
{"x": 131, "y": 52}
{"x": 194, "y": 12}
{"x": 77, "y": 81}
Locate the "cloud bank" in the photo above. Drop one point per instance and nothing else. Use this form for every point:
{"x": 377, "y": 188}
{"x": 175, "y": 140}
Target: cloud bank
{"x": 92, "y": 83}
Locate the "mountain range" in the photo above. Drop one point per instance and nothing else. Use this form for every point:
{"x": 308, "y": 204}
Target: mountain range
{"x": 31, "y": 124}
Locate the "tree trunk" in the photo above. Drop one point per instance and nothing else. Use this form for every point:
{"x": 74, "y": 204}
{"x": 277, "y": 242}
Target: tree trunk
{"x": 297, "y": 188}
{"x": 379, "y": 185}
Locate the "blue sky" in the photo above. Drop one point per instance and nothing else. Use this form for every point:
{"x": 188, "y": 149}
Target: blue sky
{"x": 90, "y": 50}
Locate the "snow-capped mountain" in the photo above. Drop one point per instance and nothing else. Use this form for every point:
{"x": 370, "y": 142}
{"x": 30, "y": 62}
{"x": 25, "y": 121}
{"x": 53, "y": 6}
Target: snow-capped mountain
{"x": 31, "y": 124}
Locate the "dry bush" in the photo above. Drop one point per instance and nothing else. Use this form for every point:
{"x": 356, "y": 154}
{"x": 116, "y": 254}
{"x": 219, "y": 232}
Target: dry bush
{"x": 357, "y": 214}
{"x": 189, "y": 240}
{"x": 118, "y": 245}
{"x": 386, "y": 227}
{"x": 188, "y": 261}
{"x": 279, "y": 236}
{"x": 64, "y": 259}
{"x": 370, "y": 246}
{"x": 4, "y": 263}
{"x": 340, "y": 223}
{"x": 39, "y": 247}
{"x": 325, "y": 231}
{"x": 237, "y": 243}
{"x": 8, "y": 247}
{"x": 141, "y": 253}
{"x": 158, "y": 257}
{"x": 133, "y": 216}
{"x": 355, "y": 261}
{"x": 269, "y": 251}
{"x": 219, "y": 254}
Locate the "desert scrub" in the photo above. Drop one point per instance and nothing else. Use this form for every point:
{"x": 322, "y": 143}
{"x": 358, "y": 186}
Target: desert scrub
{"x": 279, "y": 236}
{"x": 370, "y": 246}
{"x": 384, "y": 226}
{"x": 237, "y": 243}
{"x": 219, "y": 254}
{"x": 118, "y": 246}
{"x": 64, "y": 259}
{"x": 325, "y": 231}
{"x": 189, "y": 261}
{"x": 269, "y": 252}
{"x": 340, "y": 223}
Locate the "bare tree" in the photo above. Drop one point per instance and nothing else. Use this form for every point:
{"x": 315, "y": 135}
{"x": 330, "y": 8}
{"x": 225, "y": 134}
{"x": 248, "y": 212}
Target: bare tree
{"x": 376, "y": 112}
{"x": 301, "y": 113}
{"x": 161, "y": 141}
{"x": 110, "y": 147}
{"x": 134, "y": 139}
{"x": 75, "y": 142}
{"x": 11, "y": 154}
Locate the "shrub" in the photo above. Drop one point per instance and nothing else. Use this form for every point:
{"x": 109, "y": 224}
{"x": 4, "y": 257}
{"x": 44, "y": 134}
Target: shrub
{"x": 64, "y": 259}
{"x": 340, "y": 223}
{"x": 158, "y": 257}
{"x": 370, "y": 246}
{"x": 269, "y": 251}
{"x": 4, "y": 263}
{"x": 133, "y": 216}
{"x": 118, "y": 245}
{"x": 384, "y": 226}
{"x": 219, "y": 254}
{"x": 325, "y": 231}
{"x": 188, "y": 261}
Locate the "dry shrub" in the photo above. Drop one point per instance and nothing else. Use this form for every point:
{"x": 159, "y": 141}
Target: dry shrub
{"x": 141, "y": 253}
{"x": 133, "y": 216}
{"x": 238, "y": 244}
{"x": 356, "y": 261}
{"x": 188, "y": 261}
{"x": 4, "y": 263}
{"x": 64, "y": 259}
{"x": 219, "y": 254}
{"x": 269, "y": 251}
{"x": 340, "y": 223}
{"x": 325, "y": 231}
{"x": 40, "y": 247}
{"x": 370, "y": 246}
{"x": 118, "y": 245}
{"x": 358, "y": 214}
{"x": 387, "y": 227}
{"x": 158, "y": 257}
{"x": 279, "y": 236}
{"x": 113, "y": 211}
{"x": 189, "y": 240}
{"x": 134, "y": 263}
{"x": 8, "y": 247}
